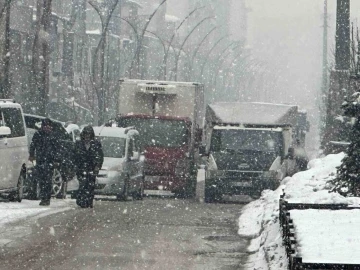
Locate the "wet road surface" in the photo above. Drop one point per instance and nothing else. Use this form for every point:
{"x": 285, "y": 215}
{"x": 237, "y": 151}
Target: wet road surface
{"x": 156, "y": 233}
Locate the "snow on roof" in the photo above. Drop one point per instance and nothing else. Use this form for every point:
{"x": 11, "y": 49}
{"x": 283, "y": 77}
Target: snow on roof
{"x": 327, "y": 236}
{"x": 171, "y": 18}
{"x": 255, "y": 113}
{"x": 114, "y": 132}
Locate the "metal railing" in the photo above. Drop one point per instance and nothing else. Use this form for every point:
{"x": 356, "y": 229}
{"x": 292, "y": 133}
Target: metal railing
{"x": 289, "y": 235}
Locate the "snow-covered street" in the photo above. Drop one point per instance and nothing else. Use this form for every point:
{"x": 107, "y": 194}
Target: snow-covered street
{"x": 156, "y": 233}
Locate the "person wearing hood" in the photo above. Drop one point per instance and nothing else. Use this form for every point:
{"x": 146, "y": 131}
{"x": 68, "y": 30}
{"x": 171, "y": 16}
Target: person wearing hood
{"x": 44, "y": 149}
{"x": 89, "y": 158}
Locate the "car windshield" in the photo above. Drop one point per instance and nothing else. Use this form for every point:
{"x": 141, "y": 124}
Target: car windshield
{"x": 242, "y": 140}
{"x": 158, "y": 132}
{"x": 113, "y": 147}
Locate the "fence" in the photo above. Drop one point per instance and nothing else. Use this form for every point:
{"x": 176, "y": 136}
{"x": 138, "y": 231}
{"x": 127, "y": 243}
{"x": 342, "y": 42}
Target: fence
{"x": 289, "y": 236}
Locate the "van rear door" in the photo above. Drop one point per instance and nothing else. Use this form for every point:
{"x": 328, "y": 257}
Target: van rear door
{"x": 16, "y": 144}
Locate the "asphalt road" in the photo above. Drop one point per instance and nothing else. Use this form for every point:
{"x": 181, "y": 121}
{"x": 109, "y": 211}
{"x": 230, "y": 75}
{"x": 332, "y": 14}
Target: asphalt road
{"x": 156, "y": 233}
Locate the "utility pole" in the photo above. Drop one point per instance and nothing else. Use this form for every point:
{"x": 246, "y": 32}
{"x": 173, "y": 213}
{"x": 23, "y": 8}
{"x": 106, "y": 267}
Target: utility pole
{"x": 339, "y": 78}
{"x": 325, "y": 67}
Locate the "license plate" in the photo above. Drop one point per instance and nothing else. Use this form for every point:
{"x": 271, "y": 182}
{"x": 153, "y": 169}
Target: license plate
{"x": 242, "y": 184}
{"x": 152, "y": 179}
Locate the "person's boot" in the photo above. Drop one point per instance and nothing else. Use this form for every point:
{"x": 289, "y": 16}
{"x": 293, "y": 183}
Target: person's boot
{"x": 44, "y": 203}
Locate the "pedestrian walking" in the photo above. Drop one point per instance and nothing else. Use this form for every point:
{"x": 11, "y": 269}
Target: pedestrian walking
{"x": 44, "y": 149}
{"x": 289, "y": 167}
{"x": 88, "y": 159}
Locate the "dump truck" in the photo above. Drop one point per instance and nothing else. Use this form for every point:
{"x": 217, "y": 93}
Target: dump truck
{"x": 169, "y": 117}
{"x": 245, "y": 144}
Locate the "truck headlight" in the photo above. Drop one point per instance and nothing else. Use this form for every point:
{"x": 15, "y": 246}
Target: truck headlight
{"x": 182, "y": 168}
{"x": 214, "y": 174}
{"x": 270, "y": 174}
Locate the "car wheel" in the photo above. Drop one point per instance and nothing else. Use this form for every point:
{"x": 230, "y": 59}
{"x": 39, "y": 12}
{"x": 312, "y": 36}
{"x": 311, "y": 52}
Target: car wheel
{"x": 63, "y": 190}
{"x": 124, "y": 195}
{"x": 18, "y": 195}
{"x": 34, "y": 191}
{"x": 73, "y": 194}
{"x": 139, "y": 195}
{"x": 57, "y": 182}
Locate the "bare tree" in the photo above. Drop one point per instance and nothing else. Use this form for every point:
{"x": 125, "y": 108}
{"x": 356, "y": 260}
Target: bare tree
{"x": 5, "y": 49}
{"x": 105, "y": 11}
{"x": 41, "y": 58}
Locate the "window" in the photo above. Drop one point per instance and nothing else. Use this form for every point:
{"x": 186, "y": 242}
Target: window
{"x": 13, "y": 119}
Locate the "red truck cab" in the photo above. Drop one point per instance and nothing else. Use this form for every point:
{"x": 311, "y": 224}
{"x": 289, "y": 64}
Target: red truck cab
{"x": 169, "y": 117}
{"x": 166, "y": 143}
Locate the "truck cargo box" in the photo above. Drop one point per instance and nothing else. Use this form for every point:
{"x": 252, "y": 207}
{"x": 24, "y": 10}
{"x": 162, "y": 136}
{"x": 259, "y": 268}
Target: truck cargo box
{"x": 251, "y": 114}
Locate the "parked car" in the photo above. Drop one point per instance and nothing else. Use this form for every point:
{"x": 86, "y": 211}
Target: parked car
{"x": 13, "y": 149}
{"x": 122, "y": 173}
{"x": 66, "y": 169}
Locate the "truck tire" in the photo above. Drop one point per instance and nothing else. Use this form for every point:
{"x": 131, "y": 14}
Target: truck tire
{"x": 211, "y": 195}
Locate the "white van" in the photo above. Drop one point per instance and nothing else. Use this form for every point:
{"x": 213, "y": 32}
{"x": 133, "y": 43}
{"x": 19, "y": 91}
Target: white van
{"x": 122, "y": 173}
{"x": 13, "y": 150}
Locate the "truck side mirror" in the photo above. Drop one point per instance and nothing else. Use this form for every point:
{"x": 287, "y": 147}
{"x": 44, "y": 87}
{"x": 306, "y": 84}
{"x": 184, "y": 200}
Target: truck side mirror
{"x": 5, "y": 131}
{"x": 198, "y": 135}
{"x": 202, "y": 150}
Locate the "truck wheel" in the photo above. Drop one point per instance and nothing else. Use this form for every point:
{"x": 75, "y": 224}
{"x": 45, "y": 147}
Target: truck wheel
{"x": 209, "y": 196}
{"x": 18, "y": 195}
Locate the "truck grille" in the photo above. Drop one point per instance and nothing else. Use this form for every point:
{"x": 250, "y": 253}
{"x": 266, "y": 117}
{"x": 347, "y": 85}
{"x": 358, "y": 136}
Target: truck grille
{"x": 243, "y": 175}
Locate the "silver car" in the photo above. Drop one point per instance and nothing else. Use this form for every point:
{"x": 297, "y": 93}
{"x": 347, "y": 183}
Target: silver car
{"x": 122, "y": 172}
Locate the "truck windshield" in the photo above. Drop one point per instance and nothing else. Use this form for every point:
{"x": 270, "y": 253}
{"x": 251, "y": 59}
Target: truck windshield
{"x": 158, "y": 132}
{"x": 113, "y": 147}
{"x": 242, "y": 140}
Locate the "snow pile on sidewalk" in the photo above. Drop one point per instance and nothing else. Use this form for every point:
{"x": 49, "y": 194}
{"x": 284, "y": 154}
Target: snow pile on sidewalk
{"x": 259, "y": 220}
{"x": 13, "y": 211}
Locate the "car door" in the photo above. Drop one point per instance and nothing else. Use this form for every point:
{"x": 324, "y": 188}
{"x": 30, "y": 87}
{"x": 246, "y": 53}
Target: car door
{"x": 16, "y": 143}
{"x": 5, "y": 161}
{"x": 134, "y": 164}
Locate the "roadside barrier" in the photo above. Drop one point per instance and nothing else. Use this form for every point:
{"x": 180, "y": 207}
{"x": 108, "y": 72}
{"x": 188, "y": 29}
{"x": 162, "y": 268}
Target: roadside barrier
{"x": 289, "y": 235}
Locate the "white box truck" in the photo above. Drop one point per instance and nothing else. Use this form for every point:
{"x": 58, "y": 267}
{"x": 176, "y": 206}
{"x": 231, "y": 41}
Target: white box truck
{"x": 245, "y": 146}
{"x": 169, "y": 117}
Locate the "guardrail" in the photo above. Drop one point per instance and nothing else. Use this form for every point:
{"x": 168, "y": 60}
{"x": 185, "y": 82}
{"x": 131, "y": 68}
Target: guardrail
{"x": 289, "y": 236}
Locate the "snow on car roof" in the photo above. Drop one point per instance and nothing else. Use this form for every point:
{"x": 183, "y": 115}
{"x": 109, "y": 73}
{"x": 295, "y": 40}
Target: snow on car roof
{"x": 254, "y": 113}
{"x": 8, "y": 103}
{"x": 114, "y": 132}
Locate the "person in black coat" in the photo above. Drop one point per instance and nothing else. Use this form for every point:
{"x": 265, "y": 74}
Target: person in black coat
{"x": 44, "y": 148}
{"x": 89, "y": 158}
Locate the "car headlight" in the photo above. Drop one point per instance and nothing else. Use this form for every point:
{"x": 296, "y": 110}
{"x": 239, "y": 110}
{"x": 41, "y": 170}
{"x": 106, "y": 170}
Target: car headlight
{"x": 182, "y": 168}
